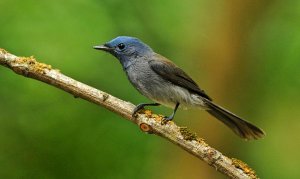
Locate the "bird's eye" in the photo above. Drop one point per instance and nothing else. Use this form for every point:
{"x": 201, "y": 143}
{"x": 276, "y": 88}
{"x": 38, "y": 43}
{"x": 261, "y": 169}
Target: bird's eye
{"x": 121, "y": 46}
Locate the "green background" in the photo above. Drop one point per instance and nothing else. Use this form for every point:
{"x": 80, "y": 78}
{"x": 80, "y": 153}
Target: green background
{"x": 245, "y": 54}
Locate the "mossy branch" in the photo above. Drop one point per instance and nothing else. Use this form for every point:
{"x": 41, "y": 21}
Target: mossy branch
{"x": 147, "y": 122}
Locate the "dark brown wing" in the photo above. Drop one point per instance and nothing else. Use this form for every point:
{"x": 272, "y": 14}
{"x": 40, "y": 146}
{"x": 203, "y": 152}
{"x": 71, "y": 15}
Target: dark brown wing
{"x": 170, "y": 72}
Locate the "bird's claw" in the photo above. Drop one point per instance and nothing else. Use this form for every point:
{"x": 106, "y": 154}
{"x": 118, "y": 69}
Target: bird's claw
{"x": 141, "y": 106}
{"x": 137, "y": 109}
{"x": 134, "y": 114}
{"x": 166, "y": 119}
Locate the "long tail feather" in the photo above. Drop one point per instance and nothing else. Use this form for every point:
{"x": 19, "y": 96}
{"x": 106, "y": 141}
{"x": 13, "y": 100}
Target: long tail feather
{"x": 242, "y": 128}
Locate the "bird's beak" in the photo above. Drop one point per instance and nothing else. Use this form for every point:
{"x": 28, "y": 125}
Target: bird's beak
{"x": 104, "y": 47}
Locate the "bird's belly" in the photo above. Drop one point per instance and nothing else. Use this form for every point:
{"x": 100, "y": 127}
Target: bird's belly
{"x": 166, "y": 93}
{"x": 172, "y": 94}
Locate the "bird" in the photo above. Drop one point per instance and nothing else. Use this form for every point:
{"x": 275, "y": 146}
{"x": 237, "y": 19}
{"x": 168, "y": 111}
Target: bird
{"x": 163, "y": 82}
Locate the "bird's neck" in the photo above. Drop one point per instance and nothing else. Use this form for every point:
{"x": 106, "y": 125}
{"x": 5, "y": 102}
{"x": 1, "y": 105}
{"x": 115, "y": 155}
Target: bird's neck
{"x": 127, "y": 61}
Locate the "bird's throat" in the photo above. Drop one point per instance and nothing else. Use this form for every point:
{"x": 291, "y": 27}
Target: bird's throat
{"x": 126, "y": 62}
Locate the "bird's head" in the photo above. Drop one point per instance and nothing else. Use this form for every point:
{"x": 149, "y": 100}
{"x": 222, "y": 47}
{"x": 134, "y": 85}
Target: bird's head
{"x": 125, "y": 48}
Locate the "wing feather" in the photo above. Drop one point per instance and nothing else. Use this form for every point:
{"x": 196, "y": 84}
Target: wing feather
{"x": 170, "y": 72}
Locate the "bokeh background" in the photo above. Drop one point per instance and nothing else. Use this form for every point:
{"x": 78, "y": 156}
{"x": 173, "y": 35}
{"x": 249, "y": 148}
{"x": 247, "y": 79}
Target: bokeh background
{"x": 245, "y": 54}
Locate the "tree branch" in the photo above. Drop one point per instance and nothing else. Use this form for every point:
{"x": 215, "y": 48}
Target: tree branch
{"x": 148, "y": 122}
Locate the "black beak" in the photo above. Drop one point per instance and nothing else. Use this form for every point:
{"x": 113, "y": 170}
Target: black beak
{"x": 104, "y": 47}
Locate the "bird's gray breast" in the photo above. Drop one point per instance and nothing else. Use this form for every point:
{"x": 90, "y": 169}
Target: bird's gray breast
{"x": 143, "y": 78}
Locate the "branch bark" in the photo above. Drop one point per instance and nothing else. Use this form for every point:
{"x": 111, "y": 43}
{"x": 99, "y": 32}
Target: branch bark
{"x": 147, "y": 122}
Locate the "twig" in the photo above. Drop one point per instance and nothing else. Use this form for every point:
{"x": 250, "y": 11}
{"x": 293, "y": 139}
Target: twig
{"x": 148, "y": 122}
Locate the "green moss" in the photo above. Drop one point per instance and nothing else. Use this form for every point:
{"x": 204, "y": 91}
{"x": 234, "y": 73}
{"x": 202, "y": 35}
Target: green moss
{"x": 243, "y": 166}
{"x": 187, "y": 135}
{"x": 33, "y": 64}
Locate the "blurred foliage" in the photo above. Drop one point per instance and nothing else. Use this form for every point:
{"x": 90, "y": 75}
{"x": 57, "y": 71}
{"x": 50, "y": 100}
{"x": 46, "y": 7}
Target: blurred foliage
{"x": 245, "y": 54}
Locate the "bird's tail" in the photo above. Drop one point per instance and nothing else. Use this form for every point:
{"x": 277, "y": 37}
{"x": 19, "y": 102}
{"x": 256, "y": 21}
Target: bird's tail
{"x": 239, "y": 126}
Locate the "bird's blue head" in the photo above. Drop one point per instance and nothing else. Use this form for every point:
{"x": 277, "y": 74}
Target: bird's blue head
{"x": 126, "y": 49}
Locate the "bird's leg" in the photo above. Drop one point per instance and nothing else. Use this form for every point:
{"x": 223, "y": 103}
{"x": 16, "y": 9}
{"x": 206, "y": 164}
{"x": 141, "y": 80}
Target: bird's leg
{"x": 142, "y": 105}
{"x": 170, "y": 118}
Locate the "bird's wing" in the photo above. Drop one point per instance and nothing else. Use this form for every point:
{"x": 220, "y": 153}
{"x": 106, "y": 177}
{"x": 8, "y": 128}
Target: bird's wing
{"x": 170, "y": 72}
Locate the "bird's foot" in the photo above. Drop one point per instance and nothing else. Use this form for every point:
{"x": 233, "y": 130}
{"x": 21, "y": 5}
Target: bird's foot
{"x": 141, "y": 106}
{"x": 137, "y": 109}
{"x": 166, "y": 119}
